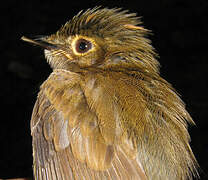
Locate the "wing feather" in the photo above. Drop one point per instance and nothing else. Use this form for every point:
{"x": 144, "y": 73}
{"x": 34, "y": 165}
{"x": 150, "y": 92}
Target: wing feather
{"x": 68, "y": 143}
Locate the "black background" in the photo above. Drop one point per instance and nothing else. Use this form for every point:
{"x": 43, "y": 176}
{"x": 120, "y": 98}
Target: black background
{"x": 180, "y": 30}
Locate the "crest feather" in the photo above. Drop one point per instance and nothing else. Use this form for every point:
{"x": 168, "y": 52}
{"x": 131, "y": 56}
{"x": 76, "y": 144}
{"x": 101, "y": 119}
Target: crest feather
{"x": 101, "y": 21}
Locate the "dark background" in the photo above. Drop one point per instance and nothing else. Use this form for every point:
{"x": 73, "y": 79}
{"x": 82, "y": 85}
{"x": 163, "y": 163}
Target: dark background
{"x": 180, "y": 30}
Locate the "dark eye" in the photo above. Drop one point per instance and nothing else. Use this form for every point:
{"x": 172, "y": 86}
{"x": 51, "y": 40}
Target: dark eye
{"x": 82, "y": 46}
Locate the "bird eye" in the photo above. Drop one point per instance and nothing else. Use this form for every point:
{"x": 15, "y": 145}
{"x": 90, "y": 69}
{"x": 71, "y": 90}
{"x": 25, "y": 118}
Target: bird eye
{"x": 82, "y": 46}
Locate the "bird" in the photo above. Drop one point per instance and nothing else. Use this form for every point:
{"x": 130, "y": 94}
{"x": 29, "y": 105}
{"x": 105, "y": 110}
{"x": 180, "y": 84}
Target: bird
{"x": 105, "y": 112}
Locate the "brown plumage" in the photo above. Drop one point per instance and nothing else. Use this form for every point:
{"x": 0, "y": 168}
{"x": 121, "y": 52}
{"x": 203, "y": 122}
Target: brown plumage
{"x": 105, "y": 112}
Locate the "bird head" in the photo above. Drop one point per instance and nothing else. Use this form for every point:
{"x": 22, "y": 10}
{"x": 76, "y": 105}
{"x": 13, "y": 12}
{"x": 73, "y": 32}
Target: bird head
{"x": 100, "y": 39}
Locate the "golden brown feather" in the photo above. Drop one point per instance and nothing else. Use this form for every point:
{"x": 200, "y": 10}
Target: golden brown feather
{"x": 105, "y": 112}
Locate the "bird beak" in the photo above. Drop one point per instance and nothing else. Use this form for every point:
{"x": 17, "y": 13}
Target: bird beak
{"x": 40, "y": 41}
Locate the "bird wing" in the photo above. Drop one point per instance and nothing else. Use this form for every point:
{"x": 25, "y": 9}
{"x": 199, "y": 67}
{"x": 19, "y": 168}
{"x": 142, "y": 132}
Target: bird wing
{"x": 67, "y": 138}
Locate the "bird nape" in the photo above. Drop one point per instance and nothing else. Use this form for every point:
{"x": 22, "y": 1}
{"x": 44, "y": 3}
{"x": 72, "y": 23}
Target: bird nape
{"x": 105, "y": 112}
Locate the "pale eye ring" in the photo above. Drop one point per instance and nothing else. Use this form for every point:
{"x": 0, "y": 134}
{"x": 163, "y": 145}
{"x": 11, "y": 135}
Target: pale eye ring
{"x": 83, "y": 45}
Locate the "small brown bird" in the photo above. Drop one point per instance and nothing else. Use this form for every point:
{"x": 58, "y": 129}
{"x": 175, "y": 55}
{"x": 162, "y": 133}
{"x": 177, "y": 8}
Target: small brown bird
{"x": 105, "y": 112}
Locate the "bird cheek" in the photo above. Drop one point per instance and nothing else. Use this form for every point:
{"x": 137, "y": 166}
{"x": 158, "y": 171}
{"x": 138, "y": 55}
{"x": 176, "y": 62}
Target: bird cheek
{"x": 99, "y": 58}
{"x": 91, "y": 59}
{"x": 69, "y": 56}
